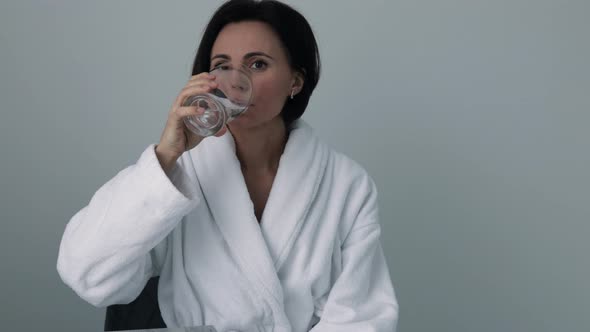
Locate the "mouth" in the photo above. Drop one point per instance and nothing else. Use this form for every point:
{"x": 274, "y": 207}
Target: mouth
{"x": 240, "y": 102}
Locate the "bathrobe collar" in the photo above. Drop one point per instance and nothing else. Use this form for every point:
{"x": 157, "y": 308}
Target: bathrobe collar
{"x": 260, "y": 249}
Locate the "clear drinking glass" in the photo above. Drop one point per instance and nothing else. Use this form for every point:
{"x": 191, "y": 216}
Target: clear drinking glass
{"x": 230, "y": 99}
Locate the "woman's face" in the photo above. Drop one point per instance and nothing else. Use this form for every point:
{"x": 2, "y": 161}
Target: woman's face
{"x": 255, "y": 45}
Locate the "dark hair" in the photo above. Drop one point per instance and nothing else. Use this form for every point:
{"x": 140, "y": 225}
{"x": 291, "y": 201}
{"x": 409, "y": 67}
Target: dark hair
{"x": 294, "y": 32}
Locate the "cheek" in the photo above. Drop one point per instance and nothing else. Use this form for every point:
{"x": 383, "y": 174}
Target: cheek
{"x": 270, "y": 92}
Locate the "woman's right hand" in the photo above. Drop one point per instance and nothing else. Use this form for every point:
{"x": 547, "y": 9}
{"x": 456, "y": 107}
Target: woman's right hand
{"x": 176, "y": 137}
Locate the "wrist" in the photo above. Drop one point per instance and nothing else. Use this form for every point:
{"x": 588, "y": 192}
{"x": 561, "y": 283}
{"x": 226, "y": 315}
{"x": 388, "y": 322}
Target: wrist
{"x": 167, "y": 160}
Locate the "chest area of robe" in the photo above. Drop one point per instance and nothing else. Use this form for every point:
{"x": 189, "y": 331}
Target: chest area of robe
{"x": 209, "y": 275}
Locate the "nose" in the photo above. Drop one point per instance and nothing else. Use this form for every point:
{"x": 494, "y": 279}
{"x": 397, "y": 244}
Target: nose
{"x": 238, "y": 81}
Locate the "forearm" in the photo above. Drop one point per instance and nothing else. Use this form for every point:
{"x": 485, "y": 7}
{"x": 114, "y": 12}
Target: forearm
{"x": 105, "y": 246}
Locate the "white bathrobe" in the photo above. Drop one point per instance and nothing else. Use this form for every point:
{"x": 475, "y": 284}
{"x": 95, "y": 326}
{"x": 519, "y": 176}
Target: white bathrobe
{"x": 314, "y": 262}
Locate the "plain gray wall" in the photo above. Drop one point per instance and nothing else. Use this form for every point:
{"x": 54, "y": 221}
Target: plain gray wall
{"x": 472, "y": 116}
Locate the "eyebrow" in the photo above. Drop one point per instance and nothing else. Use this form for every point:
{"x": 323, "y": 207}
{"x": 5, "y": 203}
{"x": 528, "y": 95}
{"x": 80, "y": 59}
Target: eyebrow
{"x": 247, "y": 56}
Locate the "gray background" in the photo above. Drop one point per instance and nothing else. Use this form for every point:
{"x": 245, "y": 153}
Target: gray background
{"x": 472, "y": 117}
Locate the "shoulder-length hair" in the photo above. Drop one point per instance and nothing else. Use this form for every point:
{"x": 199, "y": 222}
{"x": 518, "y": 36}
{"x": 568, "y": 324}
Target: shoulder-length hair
{"x": 294, "y": 32}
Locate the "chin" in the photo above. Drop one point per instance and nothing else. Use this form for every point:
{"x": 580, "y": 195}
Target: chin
{"x": 250, "y": 120}
{"x": 241, "y": 122}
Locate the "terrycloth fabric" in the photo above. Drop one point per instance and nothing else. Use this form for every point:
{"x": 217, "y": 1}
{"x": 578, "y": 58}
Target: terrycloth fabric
{"x": 314, "y": 262}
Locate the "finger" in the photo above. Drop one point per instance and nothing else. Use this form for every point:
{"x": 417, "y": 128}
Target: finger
{"x": 203, "y": 75}
{"x": 200, "y": 80}
{"x": 191, "y": 88}
{"x": 191, "y": 91}
{"x": 200, "y": 75}
{"x": 212, "y": 84}
{"x": 185, "y": 111}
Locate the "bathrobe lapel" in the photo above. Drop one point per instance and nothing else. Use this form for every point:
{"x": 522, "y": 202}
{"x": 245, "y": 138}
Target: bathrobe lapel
{"x": 261, "y": 248}
{"x": 219, "y": 174}
{"x": 301, "y": 169}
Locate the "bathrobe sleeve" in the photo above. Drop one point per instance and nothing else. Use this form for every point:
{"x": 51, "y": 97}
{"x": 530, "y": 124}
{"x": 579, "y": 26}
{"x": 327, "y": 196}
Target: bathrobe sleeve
{"x": 112, "y": 246}
{"x": 362, "y": 297}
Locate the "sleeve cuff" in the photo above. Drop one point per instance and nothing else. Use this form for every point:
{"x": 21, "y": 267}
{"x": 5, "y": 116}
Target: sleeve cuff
{"x": 174, "y": 190}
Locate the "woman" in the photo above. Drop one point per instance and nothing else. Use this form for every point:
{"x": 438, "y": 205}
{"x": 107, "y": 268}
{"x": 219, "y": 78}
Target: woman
{"x": 262, "y": 228}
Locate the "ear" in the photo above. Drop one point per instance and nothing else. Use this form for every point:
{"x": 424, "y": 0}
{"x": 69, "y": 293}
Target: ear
{"x": 297, "y": 82}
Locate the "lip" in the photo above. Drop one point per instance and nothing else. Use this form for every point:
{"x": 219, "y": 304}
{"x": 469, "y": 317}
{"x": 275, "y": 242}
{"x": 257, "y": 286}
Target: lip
{"x": 238, "y": 102}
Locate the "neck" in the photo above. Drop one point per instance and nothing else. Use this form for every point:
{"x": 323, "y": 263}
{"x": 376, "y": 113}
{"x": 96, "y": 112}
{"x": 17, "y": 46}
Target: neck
{"x": 259, "y": 149}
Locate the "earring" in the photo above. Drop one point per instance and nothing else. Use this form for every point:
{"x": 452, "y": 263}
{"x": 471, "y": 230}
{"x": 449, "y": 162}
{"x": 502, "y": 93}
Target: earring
{"x": 292, "y": 92}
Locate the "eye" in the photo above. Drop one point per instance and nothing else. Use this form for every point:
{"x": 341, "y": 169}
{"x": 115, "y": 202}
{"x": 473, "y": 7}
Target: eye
{"x": 222, "y": 66}
{"x": 258, "y": 65}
